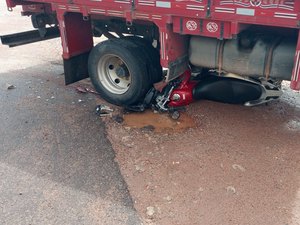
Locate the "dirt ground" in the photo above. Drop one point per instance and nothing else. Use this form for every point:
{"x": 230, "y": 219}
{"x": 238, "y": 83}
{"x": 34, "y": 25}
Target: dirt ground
{"x": 231, "y": 165}
{"x": 218, "y": 164}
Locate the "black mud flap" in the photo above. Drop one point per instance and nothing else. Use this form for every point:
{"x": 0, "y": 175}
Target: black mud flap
{"x": 76, "y": 68}
{"x": 227, "y": 90}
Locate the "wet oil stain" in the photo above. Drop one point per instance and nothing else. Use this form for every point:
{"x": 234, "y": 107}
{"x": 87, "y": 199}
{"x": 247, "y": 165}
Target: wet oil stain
{"x": 158, "y": 122}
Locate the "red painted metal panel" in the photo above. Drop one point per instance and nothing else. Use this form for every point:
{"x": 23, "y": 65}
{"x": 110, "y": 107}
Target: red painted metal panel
{"x": 173, "y": 45}
{"x": 193, "y": 8}
{"x": 266, "y": 12}
{"x": 76, "y": 34}
{"x": 283, "y": 13}
{"x": 295, "y": 80}
{"x": 203, "y": 27}
{"x": 14, "y": 3}
{"x": 37, "y": 8}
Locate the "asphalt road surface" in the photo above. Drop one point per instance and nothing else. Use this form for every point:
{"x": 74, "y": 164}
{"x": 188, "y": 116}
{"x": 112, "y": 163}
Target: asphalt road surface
{"x": 56, "y": 164}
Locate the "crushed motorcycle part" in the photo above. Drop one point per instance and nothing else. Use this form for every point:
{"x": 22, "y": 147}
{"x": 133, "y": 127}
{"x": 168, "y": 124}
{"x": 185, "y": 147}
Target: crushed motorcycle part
{"x": 118, "y": 118}
{"x": 103, "y": 110}
{"x": 81, "y": 89}
{"x": 10, "y": 86}
{"x": 175, "y": 115}
{"x": 147, "y": 103}
{"x": 135, "y": 108}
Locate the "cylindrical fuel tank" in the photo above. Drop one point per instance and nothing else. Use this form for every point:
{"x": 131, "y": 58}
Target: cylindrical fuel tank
{"x": 259, "y": 57}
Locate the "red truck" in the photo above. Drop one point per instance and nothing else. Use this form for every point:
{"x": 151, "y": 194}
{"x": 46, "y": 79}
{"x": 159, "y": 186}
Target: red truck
{"x": 235, "y": 51}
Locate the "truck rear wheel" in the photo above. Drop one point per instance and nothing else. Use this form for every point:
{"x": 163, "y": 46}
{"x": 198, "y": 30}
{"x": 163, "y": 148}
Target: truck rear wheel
{"x": 152, "y": 56}
{"x": 118, "y": 71}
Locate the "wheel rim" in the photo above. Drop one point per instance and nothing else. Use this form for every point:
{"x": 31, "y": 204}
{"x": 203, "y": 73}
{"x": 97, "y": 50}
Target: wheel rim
{"x": 114, "y": 74}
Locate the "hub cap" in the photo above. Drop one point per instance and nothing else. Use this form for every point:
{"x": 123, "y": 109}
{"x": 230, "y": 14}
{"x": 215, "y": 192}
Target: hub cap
{"x": 114, "y": 74}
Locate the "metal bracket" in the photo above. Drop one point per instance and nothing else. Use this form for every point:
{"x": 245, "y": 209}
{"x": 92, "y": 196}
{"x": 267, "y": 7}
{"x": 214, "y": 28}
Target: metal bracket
{"x": 208, "y": 9}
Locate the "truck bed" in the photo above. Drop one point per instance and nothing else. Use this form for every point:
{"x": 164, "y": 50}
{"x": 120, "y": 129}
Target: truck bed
{"x": 284, "y": 13}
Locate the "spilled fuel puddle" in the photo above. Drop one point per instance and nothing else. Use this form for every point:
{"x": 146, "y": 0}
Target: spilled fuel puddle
{"x": 158, "y": 122}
